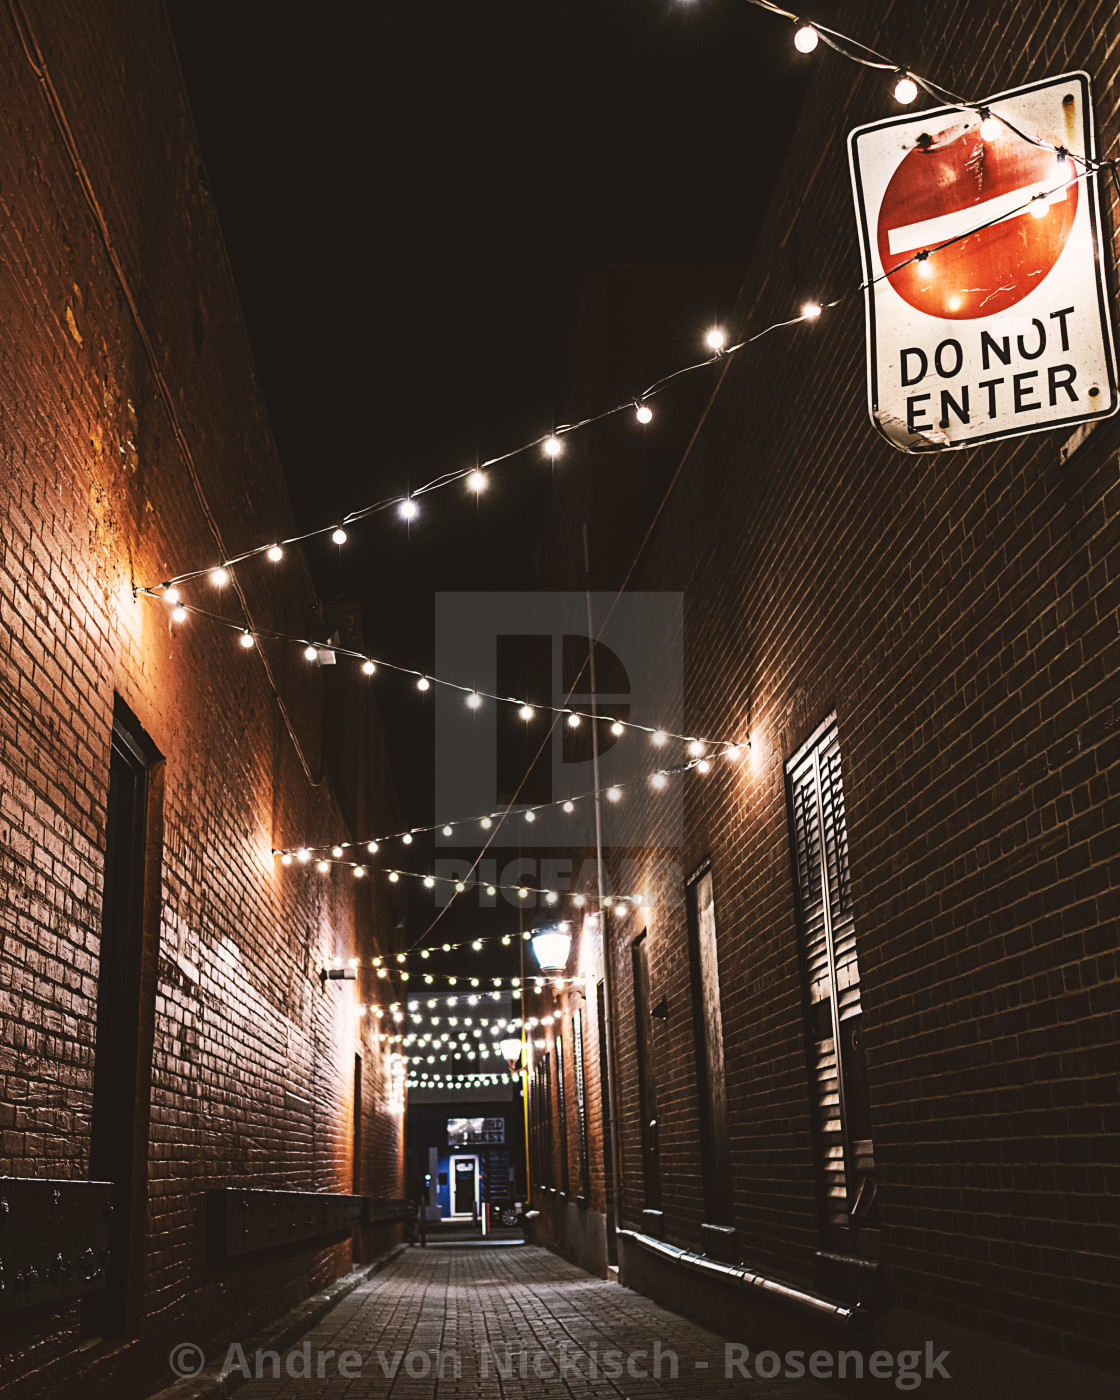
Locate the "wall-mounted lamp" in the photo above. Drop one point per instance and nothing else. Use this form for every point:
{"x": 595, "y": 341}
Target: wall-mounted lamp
{"x": 551, "y": 945}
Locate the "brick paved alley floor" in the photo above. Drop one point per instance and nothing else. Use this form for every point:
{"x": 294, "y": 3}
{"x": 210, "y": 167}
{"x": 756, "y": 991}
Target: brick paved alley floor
{"x": 508, "y": 1315}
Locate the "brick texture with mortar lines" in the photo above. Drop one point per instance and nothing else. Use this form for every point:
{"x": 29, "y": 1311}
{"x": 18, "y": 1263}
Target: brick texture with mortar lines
{"x": 960, "y": 613}
{"x": 252, "y": 1069}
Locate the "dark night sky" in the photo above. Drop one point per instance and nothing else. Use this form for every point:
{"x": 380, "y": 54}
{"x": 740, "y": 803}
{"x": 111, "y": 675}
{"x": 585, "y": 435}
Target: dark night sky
{"x": 408, "y": 193}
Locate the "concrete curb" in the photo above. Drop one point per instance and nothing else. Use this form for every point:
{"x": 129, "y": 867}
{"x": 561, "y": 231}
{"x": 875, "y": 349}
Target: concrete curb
{"x": 210, "y": 1384}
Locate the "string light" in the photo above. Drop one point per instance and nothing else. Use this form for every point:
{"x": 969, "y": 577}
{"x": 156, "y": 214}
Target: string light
{"x": 905, "y": 89}
{"x": 275, "y": 554}
{"x": 643, "y": 413}
{"x": 476, "y": 482}
{"x": 179, "y": 614}
{"x": 474, "y": 700}
{"x": 219, "y": 577}
{"x": 811, "y": 310}
{"x": 170, "y": 594}
{"x": 423, "y": 683}
{"x": 338, "y": 535}
{"x": 552, "y": 446}
{"x": 806, "y": 39}
{"x": 618, "y": 728}
{"x": 715, "y": 339}
{"x": 408, "y": 509}
{"x": 368, "y": 668}
{"x": 310, "y": 653}
{"x": 991, "y": 128}
{"x": 526, "y": 712}
{"x": 246, "y": 639}
{"x": 573, "y": 721}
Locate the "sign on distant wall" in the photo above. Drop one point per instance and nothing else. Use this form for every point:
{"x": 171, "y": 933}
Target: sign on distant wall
{"x": 466, "y": 1132}
{"x": 1005, "y": 327}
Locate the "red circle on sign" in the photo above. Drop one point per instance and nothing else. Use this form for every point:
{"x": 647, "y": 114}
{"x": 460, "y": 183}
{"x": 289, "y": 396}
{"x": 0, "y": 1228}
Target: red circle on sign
{"x": 955, "y": 183}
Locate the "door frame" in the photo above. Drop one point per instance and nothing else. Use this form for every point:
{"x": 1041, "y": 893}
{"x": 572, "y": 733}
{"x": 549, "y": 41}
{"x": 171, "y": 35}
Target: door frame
{"x": 464, "y": 1157}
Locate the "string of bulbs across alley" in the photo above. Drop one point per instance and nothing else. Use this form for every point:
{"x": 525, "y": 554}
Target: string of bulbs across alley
{"x": 808, "y": 35}
{"x": 1069, "y": 168}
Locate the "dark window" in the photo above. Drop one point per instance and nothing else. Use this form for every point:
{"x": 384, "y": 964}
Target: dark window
{"x": 604, "y": 1095}
{"x": 708, "y": 1023}
{"x": 562, "y": 1114}
{"x": 581, "y": 1103}
{"x": 845, "y": 1157}
{"x": 647, "y": 1094}
{"x": 125, "y": 1011}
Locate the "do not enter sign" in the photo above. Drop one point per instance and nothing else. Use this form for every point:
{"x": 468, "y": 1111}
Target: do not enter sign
{"x": 987, "y": 314}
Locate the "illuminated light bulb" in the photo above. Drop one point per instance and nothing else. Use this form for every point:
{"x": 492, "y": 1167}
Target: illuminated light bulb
{"x": 643, "y": 413}
{"x": 954, "y": 302}
{"x": 459, "y": 887}
{"x": 477, "y": 945}
{"x": 423, "y": 683}
{"x": 569, "y": 806}
{"x": 991, "y": 128}
{"x": 407, "y": 838}
{"x": 613, "y": 794}
{"x": 400, "y": 957}
{"x": 486, "y": 823}
{"x": 530, "y": 816}
{"x": 579, "y": 901}
{"x": 303, "y": 855}
{"x": 323, "y": 866}
{"x": 523, "y": 893}
{"x": 553, "y": 447}
{"x": 336, "y": 851}
{"x": 476, "y": 481}
{"x": 275, "y": 554}
{"x": 359, "y": 871}
{"x": 623, "y": 910}
{"x": 170, "y": 594}
{"x": 658, "y": 737}
{"x": 715, "y": 339}
{"x": 905, "y": 90}
{"x": 491, "y": 891}
{"x": 806, "y": 38}
{"x": 428, "y": 979}
{"x": 926, "y": 269}
{"x": 734, "y": 751}
{"x": 393, "y": 877}
{"x": 424, "y": 953}
{"x": 219, "y": 577}
{"x": 179, "y": 614}
{"x": 695, "y": 748}
{"x": 246, "y": 639}
{"x": 338, "y": 536}
{"x": 526, "y": 712}
{"x": 368, "y": 668}
{"x": 310, "y": 653}
{"x": 408, "y": 509}
{"x": 551, "y": 897}
{"x": 429, "y": 883}
{"x": 505, "y": 941}
{"x": 658, "y": 781}
{"x": 372, "y": 847}
{"x": 703, "y": 766}
{"x": 447, "y": 947}
{"x": 810, "y": 310}
{"x": 286, "y": 858}
{"x": 573, "y": 721}
{"x": 1040, "y": 207}
{"x": 474, "y": 700}
{"x": 608, "y": 901}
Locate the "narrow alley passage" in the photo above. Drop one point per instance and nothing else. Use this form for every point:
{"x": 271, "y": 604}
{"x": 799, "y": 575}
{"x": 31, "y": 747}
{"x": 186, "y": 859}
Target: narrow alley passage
{"x": 507, "y": 1320}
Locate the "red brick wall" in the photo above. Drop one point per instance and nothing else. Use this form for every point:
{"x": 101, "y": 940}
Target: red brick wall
{"x": 252, "y": 1068}
{"x": 959, "y": 612}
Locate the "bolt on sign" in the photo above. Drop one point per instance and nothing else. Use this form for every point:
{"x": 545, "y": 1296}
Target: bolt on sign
{"x": 987, "y": 310}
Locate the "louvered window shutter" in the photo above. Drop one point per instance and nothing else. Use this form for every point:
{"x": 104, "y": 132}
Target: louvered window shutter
{"x": 828, "y": 940}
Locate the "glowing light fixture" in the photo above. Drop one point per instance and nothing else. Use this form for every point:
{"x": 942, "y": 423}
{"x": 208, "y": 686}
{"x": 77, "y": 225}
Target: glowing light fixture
{"x": 551, "y": 946}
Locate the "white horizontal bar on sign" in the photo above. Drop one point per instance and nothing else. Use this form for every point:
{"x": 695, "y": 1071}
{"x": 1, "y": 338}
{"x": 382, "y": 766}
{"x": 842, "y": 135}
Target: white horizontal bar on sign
{"x": 929, "y": 232}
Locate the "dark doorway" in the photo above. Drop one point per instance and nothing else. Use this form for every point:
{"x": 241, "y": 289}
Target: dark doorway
{"x": 647, "y": 1095}
{"x": 356, "y": 1181}
{"x": 125, "y": 1008}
